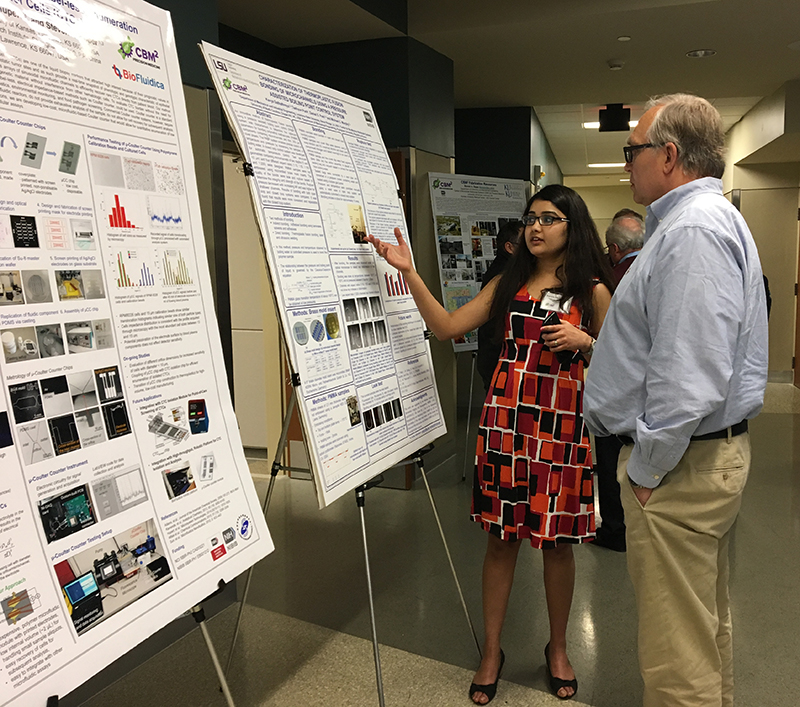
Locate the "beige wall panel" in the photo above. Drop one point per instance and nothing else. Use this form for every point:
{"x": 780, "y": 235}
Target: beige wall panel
{"x": 245, "y": 254}
{"x": 771, "y": 215}
{"x": 426, "y": 258}
{"x": 249, "y": 384}
{"x": 257, "y": 367}
{"x": 604, "y": 202}
{"x": 197, "y": 112}
{"x": 767, "y": 176}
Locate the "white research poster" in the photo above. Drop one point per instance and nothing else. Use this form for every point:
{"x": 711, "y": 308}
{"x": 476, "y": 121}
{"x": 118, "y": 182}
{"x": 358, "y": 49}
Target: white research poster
{"x": 467, "y": 214}
{"x": 322, "y": 181}
{"x": 124, "y": 495}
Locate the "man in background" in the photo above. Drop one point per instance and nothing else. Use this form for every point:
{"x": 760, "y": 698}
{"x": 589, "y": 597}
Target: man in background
{"x": 688, "y": 328}
{"x": 490, "y": 335}
{"x": 624, "y": 240}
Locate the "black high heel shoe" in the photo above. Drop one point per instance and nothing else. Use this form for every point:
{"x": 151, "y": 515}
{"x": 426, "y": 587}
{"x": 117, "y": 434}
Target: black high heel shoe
{"x": 557, "y": 683}
{"x": 489, "y": 690}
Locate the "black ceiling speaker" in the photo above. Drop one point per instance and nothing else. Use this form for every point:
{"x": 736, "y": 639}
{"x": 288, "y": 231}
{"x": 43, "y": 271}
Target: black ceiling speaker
{"x": 614, "y": 118}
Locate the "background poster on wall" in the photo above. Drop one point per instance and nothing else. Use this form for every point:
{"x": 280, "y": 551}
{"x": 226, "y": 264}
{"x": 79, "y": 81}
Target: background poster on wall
{"x": 467, "y": 214}
{"x": 322, "y": 181}
{"x": 124, "y": 495}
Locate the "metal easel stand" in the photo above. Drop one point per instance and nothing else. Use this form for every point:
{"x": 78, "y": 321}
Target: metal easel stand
{"x": 276, "y": 467}
{"x": 467, "y": 455}
{"x": 360, "y": 498}
{"x": 417, "y": 459}
{"x": 200, "y": 617}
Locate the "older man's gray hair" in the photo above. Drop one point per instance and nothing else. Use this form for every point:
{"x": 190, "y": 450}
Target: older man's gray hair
{"x": 626, "y": 232}
{"x": 694, "y": 126}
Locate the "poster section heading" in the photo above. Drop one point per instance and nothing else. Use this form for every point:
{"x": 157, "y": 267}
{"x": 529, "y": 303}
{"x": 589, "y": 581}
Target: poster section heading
{"x": 468, "y": 212}
{"x": 124, "y": 495}
{"x": 322, "y": 181}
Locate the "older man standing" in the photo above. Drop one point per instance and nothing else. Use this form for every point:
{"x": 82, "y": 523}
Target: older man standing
{"x": 689, "y": 321}
{"x": 624, "y": 240}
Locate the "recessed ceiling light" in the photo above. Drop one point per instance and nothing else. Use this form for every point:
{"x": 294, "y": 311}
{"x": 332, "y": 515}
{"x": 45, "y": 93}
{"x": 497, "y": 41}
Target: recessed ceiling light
{"x": 625, "y": 180}
{"x": 623, "y": 38}
{"x": 596, "y": 125}
{"x": 602, "y": 165}
{"x": 701, "y": 53}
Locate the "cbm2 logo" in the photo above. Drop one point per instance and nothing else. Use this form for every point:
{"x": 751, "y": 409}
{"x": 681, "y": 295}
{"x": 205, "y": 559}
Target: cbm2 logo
{"x": 128, "y": 49}
{"x": 441, "y": 183}
{"x": 220, "y": 65}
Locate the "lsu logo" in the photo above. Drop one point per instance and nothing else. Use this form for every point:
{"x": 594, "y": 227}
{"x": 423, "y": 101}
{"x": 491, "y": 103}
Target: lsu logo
{"x": 220, "y": 65}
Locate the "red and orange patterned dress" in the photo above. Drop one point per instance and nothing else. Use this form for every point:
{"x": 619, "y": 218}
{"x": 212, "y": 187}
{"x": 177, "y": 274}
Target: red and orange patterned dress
{"x": 533, "y": 474}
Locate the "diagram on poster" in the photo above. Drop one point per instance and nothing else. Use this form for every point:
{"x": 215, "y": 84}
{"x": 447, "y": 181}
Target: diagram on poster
{"x": 467, "y": 214}
{"x": 322, "y": 181}
{"x": 125, "y": 496}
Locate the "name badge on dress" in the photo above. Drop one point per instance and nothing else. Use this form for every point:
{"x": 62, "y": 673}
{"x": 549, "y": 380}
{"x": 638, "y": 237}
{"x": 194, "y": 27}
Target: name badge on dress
{"x": 552, "y": 303}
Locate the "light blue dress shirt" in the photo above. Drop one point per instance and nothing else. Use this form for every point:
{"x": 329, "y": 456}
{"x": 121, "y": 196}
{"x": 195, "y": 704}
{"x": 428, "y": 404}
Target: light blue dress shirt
{"x": 683, "y": 349}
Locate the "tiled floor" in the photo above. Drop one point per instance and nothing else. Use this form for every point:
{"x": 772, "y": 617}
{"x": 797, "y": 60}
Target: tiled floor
{"x": 304, "y": 639}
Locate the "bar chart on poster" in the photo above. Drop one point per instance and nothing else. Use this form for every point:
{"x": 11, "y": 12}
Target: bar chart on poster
{"x": 322, "y": 181}
{"x": 125, "y": 497}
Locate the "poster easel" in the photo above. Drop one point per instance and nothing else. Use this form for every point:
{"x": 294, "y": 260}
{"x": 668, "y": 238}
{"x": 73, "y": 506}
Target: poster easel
{"x": 278, "y": 466}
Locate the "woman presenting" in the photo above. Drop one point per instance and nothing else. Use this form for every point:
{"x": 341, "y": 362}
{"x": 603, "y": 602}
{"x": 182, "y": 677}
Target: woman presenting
{"x": 533, "y": 471}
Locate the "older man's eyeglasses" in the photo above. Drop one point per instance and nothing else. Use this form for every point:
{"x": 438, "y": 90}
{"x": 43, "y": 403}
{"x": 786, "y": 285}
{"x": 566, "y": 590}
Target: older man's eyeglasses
{"x": 544, "y": 219}
{"x": 630, "y": 150}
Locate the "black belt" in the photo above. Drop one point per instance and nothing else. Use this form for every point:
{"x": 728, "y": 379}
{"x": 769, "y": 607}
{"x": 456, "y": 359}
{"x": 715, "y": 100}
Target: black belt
{"x": 737, "y": 429}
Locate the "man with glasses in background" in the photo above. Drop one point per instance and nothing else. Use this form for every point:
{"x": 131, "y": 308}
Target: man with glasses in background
{"x": 689, "y": 325}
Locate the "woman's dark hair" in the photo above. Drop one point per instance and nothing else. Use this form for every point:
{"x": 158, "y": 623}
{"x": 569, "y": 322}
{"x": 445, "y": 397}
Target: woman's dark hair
{"x": 584, "y": 259}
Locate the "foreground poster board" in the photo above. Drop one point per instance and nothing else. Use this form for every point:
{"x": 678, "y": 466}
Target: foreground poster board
{"x": 467, "y": 214}
{"x": 124, "y": 495}
{"x": 321, "y": 181}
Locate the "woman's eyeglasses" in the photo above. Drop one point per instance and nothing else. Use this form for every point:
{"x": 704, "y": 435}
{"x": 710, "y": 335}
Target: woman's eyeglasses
{"x": 544, "y": 219}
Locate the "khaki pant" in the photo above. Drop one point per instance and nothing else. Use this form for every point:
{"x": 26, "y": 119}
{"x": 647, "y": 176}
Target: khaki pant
{"x": 678, "y": 561}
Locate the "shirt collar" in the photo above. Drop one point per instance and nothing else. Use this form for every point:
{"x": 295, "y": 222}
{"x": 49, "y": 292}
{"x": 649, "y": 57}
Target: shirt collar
{"x": 661, "y": 207}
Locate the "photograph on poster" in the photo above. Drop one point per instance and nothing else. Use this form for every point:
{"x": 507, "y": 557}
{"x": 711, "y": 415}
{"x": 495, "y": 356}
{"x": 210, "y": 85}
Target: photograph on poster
{"x": 66, "y": 513}
{"x": 11, "y": 288}
{"x": 449, "y": 246}
{"x": 34, "y": 442}
{"x": 24, "y": 232}
{"x": 64, "y": 432}
{"x": 70, "y": 158}
{"x": 83, "y": 236}
{"x": 19, "y": 344}
{"x": 107, "y": 577}
{"x": 118, "y": 492}
{"x": 353, "y": 410}
{"x": 179, "y": 480}
{"x": 116, "y": 419}
{"x": 109, "y": 385}
{"x": 332, "y": 327}
{"x": 448, "y": 225}
{"x": 357, "y": 225}
{"x": 36, "y": 284}
{"x": 354, "y": 335}
{"x": 90, "y": 426}
{"x": 56, "y": 399}
{"x": 26, "y": 401}
{"x": 106, "y": 170}
{"x": 139, "y": 174}
{"x": 82, "y": 390}
{"x": 89, "y": 335}
{"x": 51, "y": 340}
{"x": 350, "y": 310}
